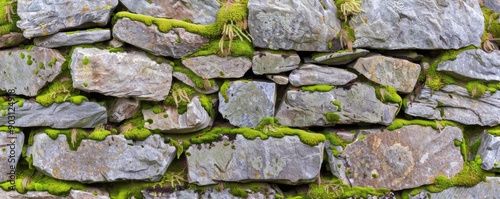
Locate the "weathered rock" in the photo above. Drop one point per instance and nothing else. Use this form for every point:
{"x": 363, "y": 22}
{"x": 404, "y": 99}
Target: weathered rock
{"x": 11, "y": 39}
{"x": 127, "y": 74}
{"x": 182, "y": 194}
{"x": 73, "y": 38}
{"x": 310, "y": 74}
{"x": 41, "y": 18}
{"x": 122, "y": 159}
{"x": 115, "y": 43}
{"x": 454, "y": 103}
{"x": 278, "y": 79}
{"x": 208, "y": 193}
{"x": 64, "y": 115}
{"x": 176, "y": 43}
{"x": 475, "y": 64}
{"x": 123, "y": 109}
{"x": 28, "y": 71}
{"x": 492, "y": 4}
{"x": 409, "y": 55}
{"x": 213, "y": 66}
{"x": 398, "y": 73}
{"x": 12, "y": 145}
{"x": 28, "y": 195}
{"x": 489, "y": 189}
{"x": 89, "y": 193}
{"x": 403, "y": 159}
{"x": 339, "y": 58}
{"x": 489, "y": 152}
{"x": 186, "y": 80}
{"x": 414, "y": 24}
{"x": 267, "y": 62}
{"x": 247, "y": 102}
{"x": 276, "y": 25}
{"x": 200, "y": 12}
{"x": 358, "y": 104}
{"x": 337, "y": 163}
{"x": 194, "y": 119}
{"x": 282, "y": 160}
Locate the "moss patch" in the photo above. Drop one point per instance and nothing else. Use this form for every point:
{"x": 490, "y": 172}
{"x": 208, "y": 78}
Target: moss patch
{"x": 223, "y": 90}
{"x": 335, "y": 188}
{"x": 437, "y": 80}
{"x": 398, "y": 123}
{"x": 317, "y": 88}
{"x": 7, "y": 26}
{"x": 239, "y": 48}
{"x": 491, "y": 24}
{"x": 332, "y": 117}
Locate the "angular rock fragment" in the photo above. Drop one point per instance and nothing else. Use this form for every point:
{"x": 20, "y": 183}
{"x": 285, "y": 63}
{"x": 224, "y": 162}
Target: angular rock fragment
{"x": 338, "y": 58}
{"x": 310, "y": 74}
{"x": 475, "y": 64}
{"x": 73, "y": 38}
{"x": 267, "y": 62}
{"x": 489, "y": 151}
{"x": 488, "y": 189}
{"x": 278, "y": 79}
{"x": 11, "y": 39}
{"x": 123, "y": 109}
{"x": 492, "y": 4}
{"x": 186, "y": 80}
{"x": 213, "y": 66}
{"x": 11, "y": 144}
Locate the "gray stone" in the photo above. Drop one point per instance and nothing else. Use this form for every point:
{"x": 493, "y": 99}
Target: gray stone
{"x": 11, "y": 39}
{"x": 454, "y": 103}
{"x": 475, "y": 64}
{"x": 415, "y": 24}
{"x": 182, "y": 194}
{"x": 489, "y": 152}
{"x": 88, "y": 194}
{"x": 358, "y": 104}
{"x": 208, "y": 193}
{"x": 28, "y": 195}
{"x": 42, "y": 18}
{"x": 278, "y": 79}
{"x": 186, "y": 80}
{"x": 73, "y": 38}
{"x": 310, "y": 74}
{"x": 276, "y": 25}
{"x": 398, "y": 73}
{"x": 122, "y": 159}
{"x": 213, "y": 66}
{"x": 267, "y": 62}
{"x": 121, "y": 74}
{"x": 123, "y": 109}
{"x": 200, "y": 12}
{"x": 489, "y": 189}
{"x": 176, "y": 43}
{"x": 339, "y": 58}
{"x": 337, "y": 163}
{"x": 492, "y": 4}
{"x": 194, "y": 119}
{"x": 281, "y": 160}
{"x": 247, "y": 102}
{"x": 64, "y": 115}
{"x": 28, "y": 71}
{"x": 403, "y": 159}
{"x": 12, "y": 145}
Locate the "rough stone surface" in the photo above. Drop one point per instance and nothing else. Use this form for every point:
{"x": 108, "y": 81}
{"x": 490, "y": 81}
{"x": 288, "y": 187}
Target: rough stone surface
{"x": 114, "y": 158}
{"x": 11, "y": 39}
{"x": 41, "y": 18}
{"x": 26, "y": 76}
{"x": 73, "y": 194}
{"x": 194, "y": 119}
{"x": 267, "y": 62}
{"x": 64, "y": 115}
{"x": 200, "y": 12}
{"x": 489, "y": 152}
{"x": 176, "y": 43}
{"x": 208, "y": 193}
{"x": 410, "y": 24}
{"x": 310, "y": 74}
{"x": 213, "y": 66}
{"x": 358, "y": 104}
{"x": 127, "y": 74}
{"x": 454, "y": 103}
{"x": 398, "y": 73}
{"x": 185, "y": 79}
{"x": 489, "y": 189}
{"x": 12, "y": 145}
{"x": 282, "y": 160}
{"x": 278, "y": 79}
{"x": 492, "y": 4}
{"x": 123, "y": 109}
{"x": 337, "y": 164}
{"x": 90, "y": 193}
{"x": 339, "y": 58}
{"x": 403, "y": 159}
{"x": 276, "y": 25}
{"x": 73, "y": 38}
{"x": 475, "y": 64}
{"x": 248, "y": 102}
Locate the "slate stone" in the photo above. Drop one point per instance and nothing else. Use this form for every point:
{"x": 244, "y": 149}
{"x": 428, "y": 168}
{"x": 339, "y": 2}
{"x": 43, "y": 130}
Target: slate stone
{"x": 213, "y": 66}
{"x": 492, "y": 4}
{"x": 415, "y": 24}
{"x": 123, "y": 109}
{"x": 267, "y": 62}
{"x": 11, "y": 39}
{"x": 278, "y": 79}
{"x": 186, "y": 80}
{"x": 339, "y": 58}
{"x": 64, "y": 115}
{"x": 42, "y": 18}
{"x": 28, "y": 71}
{"x": 398, "y": 73}
{"x": 337, "y": 164}
{"x": 489, "y": 150}
{"x": 248, "y": 102}
{"x": 120, "y": 74}
{"x": 12, "y": 145}
{"x": 208, "y": 193}
{"x": 403, "y": 159}
{"x": 200, "y": 12}
{"x": 475, "y": 64}
{"x": 73, "y": 38}
{"x": 310, "y": 74}
{"x": 176, "y": 43}
{"x": 489, "y": 189}
{"x": 280, "y": 160}
{"x": 115, "y": 158}
{"x": 276, "y": 25}
{"x": 28, "y": 195}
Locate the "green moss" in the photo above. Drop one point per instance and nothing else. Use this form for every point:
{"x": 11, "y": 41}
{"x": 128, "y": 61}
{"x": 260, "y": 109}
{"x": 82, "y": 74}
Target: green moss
{"x": 317, "y": 88}
{"x": 85, "y": 60}
{"x": 337, "y": 103}
{"x": 495, "y": 131}
{"x": 137, "y": 133}
{"x": 157, "y": 109}
{"x": 398, "y": 123}
{"x": 223, "y": 90}
{"x": 197, "y": 80}
{"x": 22, "y": 55}
{"x": 180, "y": 89}
{"x": 52, "y": 62}
{"x": 206, "y": 102}
{"x": 59, "y": 92}
{"x": 387, "y": 94}
{"x": 41, "y": 65}
{"x": 332, "y": 117}
{"x": 374, "y": 175}
{"x": 115, "y": 50}
{"x": 335, "y": 140}
{"x": 475, "y": 146}
{"x": 239, "y": 48}
{"x": 491, "y": 24}
{"x": 100, "y": 134}
{"x": 7, "y": 26}
{"x": 74, "y": 137}
{"x": 85, "y": 84}
{"x": 29, "y": 62}
{"x": 437, "y": 80}
{"x": 334, "y": 188}
{"x": 8, "y": 129}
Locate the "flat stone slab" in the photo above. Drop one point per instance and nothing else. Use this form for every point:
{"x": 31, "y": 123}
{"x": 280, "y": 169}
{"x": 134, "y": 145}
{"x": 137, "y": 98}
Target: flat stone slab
{"x": 213, "y": 66}
{"x": 186, "y": 80}
{"x": 120, "y": 74}
{"x": 208, "y": 193}
{"x": 11, "y": 39}
{"x": 73, "y": 38}
{"x": 115, "y": 158}
{"x": 489, "y": 150}
{"x": 281, "y": 160}
{"x": 12, "y": 146}
{"x": 311, "y": 74}
{"x": 267, "y": 62}
{"x": 339, "y": 58}
{"x": 489, "y": 189}
{"x": 475, "y": 64}
{"x": 123, "y": 109}
{"x": 278, "y": 79}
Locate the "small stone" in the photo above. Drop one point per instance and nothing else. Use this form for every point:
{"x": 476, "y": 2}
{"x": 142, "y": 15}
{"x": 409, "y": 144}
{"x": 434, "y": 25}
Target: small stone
{"x": 123, "y": 109}
{"x": 11, "y": 144}
{"x": 11, "y": 39}
{"x": 339, "y": 58}
{"x": 278, "y": 79}
{"x": 213, "y": 66}
{"x": 310, "y": 74}
{"x": 475, "y": 64}
{"x": 489, "y": 150}
{"x": 73, "y": 38}
{"x": 267, "y": 62}
{"x": 115, "y": 43}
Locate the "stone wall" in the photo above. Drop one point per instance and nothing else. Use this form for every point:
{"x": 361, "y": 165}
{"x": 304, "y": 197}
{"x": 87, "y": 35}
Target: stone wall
{"x": 249, "y": 99}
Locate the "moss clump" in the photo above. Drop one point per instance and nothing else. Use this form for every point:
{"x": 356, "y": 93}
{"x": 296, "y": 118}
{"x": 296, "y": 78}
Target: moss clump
{"x": 74, "y": 137}
{"x": 337, "y": 103}
{"x": 335, "y": 188}
{"x": 495, "y": 131}
{"x": 223, "y": 91}
{"x": 491, "y": 23}
{"x": 387, "y": 94}
{"x": 437, "y": 80}
{"x": 100, "y": 134}
{"x": 137, "y": 133}
{"x": 398, "y": 123}
{"x": 9, "y": 129}
{"x": 332, "y": 117}
{"x": 115, "y": 50}
{"x": 476, "y": 89}
{"x": 59, "y": 91}
{"x": 475, "y": 146}
{"x": 157, "y": 109}
{"x": 335, "y": 140}
{"x": 206, "y": 102}
{"x": 6, "y": 25}
{"x": 317, "y": 88}
{"x": 180, "y": 96}
{"x": 85, "y": 60}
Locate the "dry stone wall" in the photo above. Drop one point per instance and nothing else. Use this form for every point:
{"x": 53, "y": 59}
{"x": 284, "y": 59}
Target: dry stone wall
{"x": 252, "y": 99}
